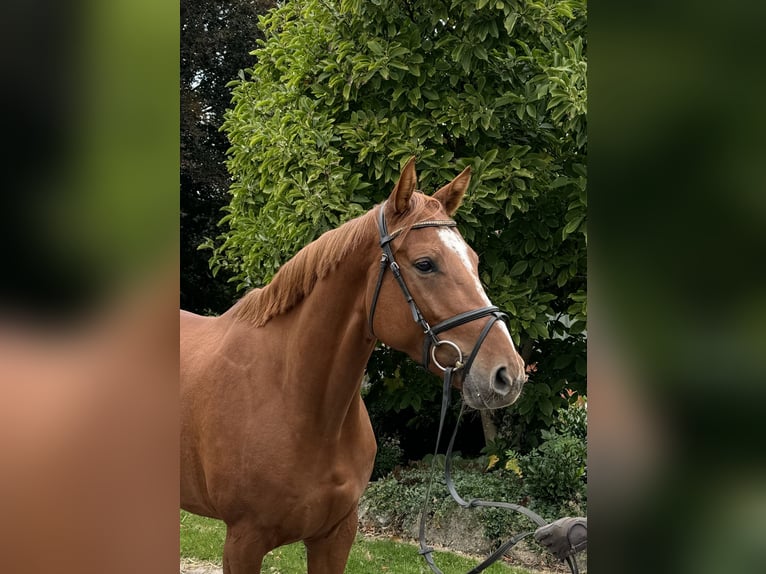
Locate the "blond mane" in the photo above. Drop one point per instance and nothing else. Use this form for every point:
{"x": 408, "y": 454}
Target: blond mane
{"x": 296, "y": 278}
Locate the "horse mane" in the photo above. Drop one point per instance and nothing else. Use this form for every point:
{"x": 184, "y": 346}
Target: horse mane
{"x": 297, "y": 277}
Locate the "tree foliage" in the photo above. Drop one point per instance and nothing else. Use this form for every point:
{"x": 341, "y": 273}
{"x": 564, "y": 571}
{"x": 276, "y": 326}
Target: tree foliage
{"x": 344, "y": 92}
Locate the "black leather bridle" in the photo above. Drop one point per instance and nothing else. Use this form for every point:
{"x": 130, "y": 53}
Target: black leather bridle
{"x": 431, "y": 342}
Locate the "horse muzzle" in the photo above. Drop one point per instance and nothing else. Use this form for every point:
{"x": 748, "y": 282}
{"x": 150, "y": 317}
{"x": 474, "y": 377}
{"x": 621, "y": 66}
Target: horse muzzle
{"x": 494, "y": 388}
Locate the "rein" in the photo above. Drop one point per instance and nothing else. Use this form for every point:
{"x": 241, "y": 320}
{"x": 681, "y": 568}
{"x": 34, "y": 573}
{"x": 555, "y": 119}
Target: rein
{"x": 430, "y": 343}
{"x": 426, "y": 550}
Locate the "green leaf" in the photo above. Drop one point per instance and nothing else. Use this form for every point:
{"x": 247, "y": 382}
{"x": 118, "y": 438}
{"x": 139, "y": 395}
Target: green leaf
{"x": 518, "y": 268}
{"x": 510, "y": 22}
{"x": 375, "y": 47}
{"x": 571, "y": 227}
{"x": 414, "y": 95}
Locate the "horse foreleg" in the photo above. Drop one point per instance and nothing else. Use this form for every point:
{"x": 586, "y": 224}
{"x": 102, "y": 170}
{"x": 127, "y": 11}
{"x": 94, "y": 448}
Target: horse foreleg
{"x": 243, "y": 550}
{"x": 328, "y": 554}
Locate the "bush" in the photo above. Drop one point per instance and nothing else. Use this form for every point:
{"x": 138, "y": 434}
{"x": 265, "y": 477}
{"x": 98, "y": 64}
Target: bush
{"x": 550, "y": 480}
{"x": 556, "y": 470}
{"x": 573, "y": 420}
{"x": 397, "y": 500}
{"x": 390, "y": 455}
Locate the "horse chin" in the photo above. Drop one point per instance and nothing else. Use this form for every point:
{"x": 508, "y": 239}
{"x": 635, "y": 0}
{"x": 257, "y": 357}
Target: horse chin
{"x": 480, "y": 396}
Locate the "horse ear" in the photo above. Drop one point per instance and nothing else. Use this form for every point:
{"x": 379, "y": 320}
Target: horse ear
{"x": 451, "y": 195}
{"x": 405, "y": 187}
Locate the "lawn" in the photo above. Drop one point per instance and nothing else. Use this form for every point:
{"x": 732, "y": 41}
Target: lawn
{"x": 202, "y": 539}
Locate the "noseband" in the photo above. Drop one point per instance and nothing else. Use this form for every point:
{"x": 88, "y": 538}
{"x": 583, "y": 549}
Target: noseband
{"x": 431, "y": 340}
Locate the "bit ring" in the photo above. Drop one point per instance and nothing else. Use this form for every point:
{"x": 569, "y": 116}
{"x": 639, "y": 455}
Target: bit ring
{"x": 458, "y": 364}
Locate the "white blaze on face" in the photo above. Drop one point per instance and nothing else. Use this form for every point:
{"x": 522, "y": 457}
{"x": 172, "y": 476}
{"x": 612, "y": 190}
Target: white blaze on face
{"x": 453, "y": 241}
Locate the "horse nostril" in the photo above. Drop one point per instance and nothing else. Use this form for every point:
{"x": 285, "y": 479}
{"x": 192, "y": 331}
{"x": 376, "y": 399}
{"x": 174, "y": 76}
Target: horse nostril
{"x": 502, "y": 382}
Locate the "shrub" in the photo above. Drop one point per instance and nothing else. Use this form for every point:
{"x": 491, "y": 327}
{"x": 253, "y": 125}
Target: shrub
{"x": 556, "y": 470}
{"x": 550, "y": 480}
{"x": 397, "y": 500}
{"x": 390, "y": 455}
{"x": 574, "y": 419}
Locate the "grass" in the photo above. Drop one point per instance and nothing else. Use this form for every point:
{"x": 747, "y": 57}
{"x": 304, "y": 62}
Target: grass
{"x": 202, "y": 539}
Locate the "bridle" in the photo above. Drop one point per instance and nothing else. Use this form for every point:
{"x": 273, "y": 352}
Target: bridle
{"x": 431, "y": 342}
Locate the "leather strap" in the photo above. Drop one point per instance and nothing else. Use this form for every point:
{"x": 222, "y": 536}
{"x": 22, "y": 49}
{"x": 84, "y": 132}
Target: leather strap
{"x": 425, "y": 550}
{"x": 387, "y": 261}
{"x": 462, "y": 319}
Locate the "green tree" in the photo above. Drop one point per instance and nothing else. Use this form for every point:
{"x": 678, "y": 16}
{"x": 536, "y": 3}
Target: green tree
{"x": 345, "y": 91}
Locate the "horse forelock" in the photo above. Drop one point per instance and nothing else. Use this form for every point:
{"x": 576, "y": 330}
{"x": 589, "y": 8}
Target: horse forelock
{"x": 298, "y": 276}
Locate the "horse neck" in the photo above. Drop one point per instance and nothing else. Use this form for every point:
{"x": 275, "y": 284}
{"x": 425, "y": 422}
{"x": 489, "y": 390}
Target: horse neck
{"x": 327, "y": 345}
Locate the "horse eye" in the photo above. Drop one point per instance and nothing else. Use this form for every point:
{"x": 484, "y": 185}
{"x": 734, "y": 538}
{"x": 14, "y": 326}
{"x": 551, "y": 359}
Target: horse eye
{"x": 425, "y": 265}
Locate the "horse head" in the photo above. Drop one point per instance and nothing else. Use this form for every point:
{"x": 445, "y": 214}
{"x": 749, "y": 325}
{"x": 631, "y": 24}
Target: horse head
{"x": 428, "y": 300}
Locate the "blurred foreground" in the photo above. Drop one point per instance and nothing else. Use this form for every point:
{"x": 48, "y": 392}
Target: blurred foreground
{"x": 89, "y": 289}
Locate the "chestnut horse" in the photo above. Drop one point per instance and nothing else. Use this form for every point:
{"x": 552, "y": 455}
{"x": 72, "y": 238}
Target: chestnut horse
{"x": 275, "y": 438}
